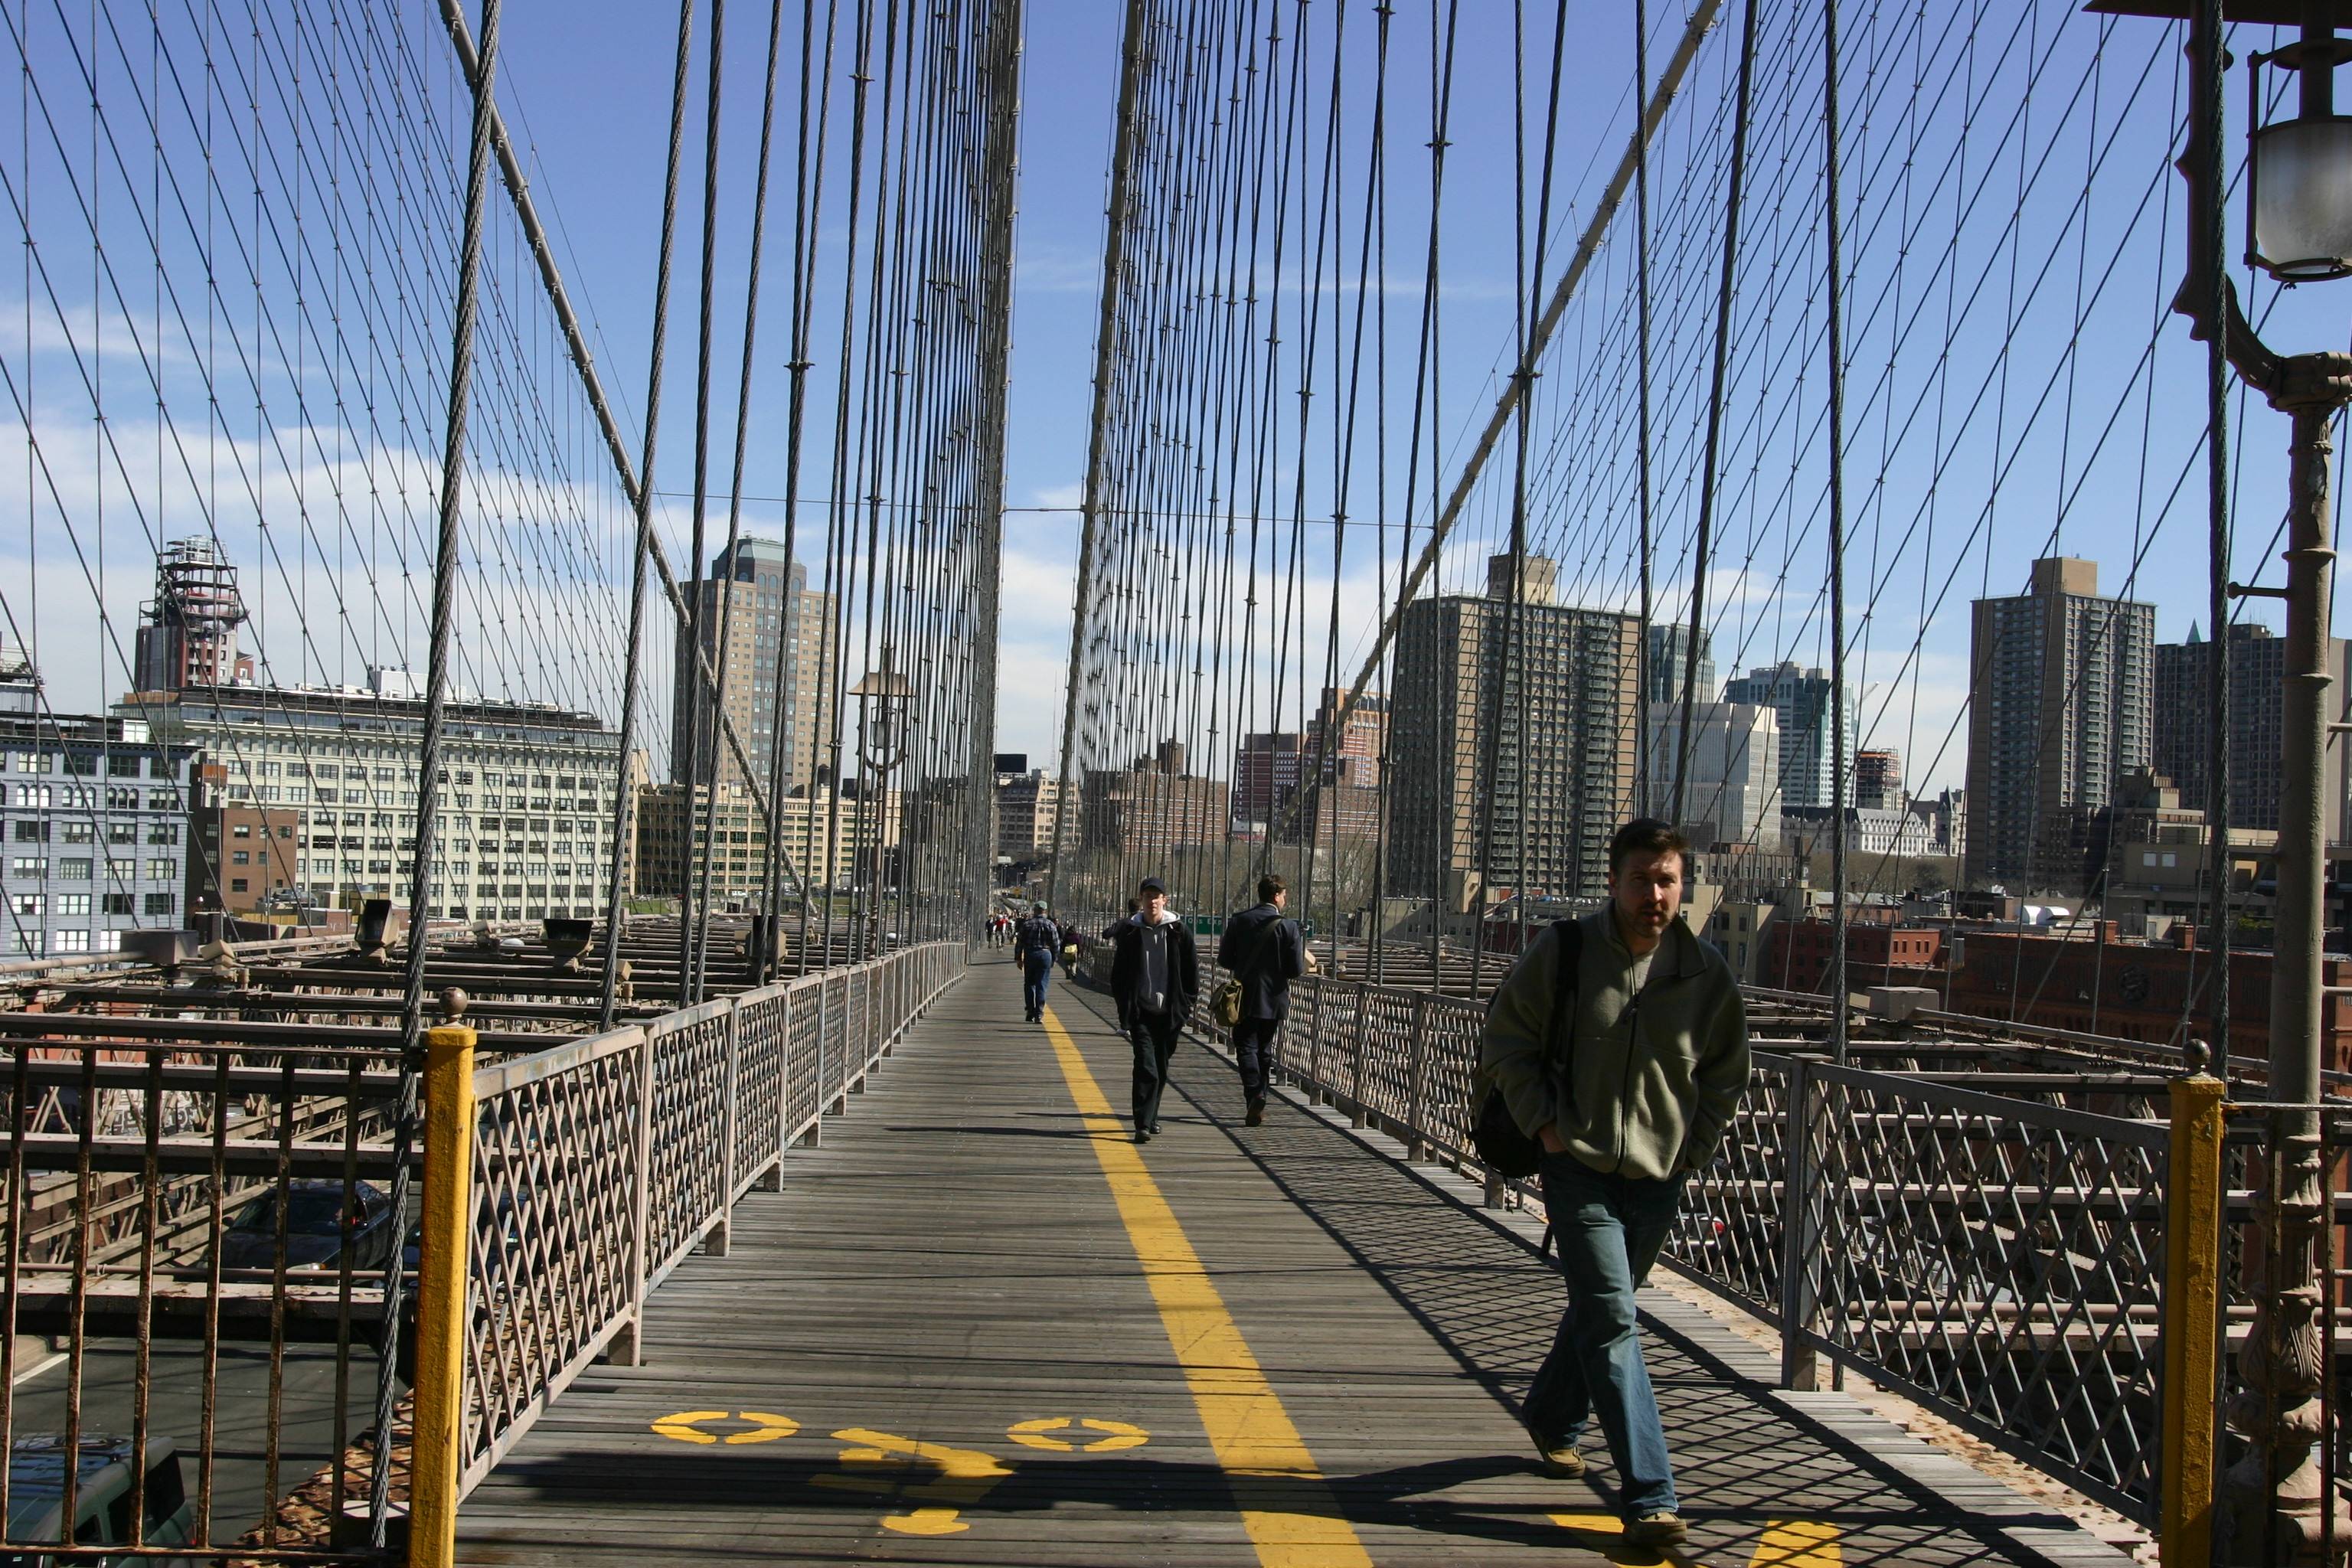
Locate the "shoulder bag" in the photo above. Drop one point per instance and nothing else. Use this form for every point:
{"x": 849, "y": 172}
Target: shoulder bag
{"x": 1503, "y": 1148}
{"x": 1225, "y": 1001}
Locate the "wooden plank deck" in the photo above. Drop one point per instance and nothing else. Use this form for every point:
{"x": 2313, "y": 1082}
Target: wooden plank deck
{"x": 922, "y": 1321}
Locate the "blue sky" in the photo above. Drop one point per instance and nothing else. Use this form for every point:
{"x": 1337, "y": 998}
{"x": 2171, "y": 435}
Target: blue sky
{"x": 2020, "y": 290}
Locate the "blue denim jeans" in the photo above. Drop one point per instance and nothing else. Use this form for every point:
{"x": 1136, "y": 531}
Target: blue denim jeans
{"x": 1037, "y": 974}
{"x": 1609, "y": 1229}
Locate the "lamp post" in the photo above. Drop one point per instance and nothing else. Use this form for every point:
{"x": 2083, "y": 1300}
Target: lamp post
{"x": 2277, "y": 1506}
{"x": 882, "y": 696}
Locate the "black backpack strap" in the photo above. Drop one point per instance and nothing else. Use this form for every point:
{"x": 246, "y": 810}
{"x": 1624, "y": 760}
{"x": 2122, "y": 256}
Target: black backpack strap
{"x": 1570, "y": 933}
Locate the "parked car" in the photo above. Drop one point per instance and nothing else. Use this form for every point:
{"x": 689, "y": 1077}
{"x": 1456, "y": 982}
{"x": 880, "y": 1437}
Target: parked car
{"x": 323, "y": 1223}
{"x": 102, "y": 1497}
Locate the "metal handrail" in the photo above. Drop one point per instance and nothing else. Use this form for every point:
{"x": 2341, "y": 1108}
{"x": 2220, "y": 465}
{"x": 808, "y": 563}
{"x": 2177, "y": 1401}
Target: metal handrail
{"x": 599, "y": 1165}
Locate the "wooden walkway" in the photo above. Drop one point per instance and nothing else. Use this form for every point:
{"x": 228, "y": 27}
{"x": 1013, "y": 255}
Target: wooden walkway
{"x": 939, "y": 1344}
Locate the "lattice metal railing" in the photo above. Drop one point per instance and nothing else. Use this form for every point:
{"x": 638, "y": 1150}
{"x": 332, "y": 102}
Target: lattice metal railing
{"x": 599, "y": 1166}
{"x": 1997, "y": 1256}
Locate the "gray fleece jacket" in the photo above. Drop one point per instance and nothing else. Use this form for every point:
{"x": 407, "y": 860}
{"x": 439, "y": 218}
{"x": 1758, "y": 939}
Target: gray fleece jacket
{"x": 1650, "y": 1082}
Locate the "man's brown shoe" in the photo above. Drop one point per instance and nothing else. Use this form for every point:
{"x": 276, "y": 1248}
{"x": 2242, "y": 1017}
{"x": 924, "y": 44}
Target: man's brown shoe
{"x": 1560, "y": 1459}
{"x": 1660, "y": 1529}
{"x": 1256, "y": 1117}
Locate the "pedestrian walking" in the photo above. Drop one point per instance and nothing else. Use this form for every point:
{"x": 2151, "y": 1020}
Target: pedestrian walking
{"x": 1620, "y": 1045}
{"x": 1036, "y": 940}
{"x": 1154, "y": 977}
{"x": 1263, "y": 952}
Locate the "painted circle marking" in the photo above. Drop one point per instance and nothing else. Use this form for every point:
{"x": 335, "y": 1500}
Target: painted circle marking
{"x": 1038, "y": 1434}
{"x": 687, "y": 1426}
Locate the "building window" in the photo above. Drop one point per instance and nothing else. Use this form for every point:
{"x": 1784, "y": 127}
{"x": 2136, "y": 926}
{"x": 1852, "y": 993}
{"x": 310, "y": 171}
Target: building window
{"x": 240, "y": 857}
{"x": 163, "y": 833}
{"x": 158, "y": 871}
{"x": 122, "y": 871}
{"x": 23, "y": 866}
{"x": 118, "y": 903}
{"x": 237, "y": 884}
{"x": 31, "y": 830}
{"x": 27, "y": 904}
{"x": 81, "y": 764}
{"x": 73, "y": 903}
{"x": 70, "y": 941}
{"x": 78, "y": 832}
{"x": 123, "y": 765}
{"x": 28, "y": 795}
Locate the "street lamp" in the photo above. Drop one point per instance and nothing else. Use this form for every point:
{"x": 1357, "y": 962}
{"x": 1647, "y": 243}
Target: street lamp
{"x": 2277, "y": 1504}
{"x": 2299, "y": 171}
{"x": 882, "y": 697}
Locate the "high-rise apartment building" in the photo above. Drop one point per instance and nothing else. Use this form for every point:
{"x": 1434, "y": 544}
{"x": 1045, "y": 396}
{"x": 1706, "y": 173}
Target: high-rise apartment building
{"x": 1560, "y": 786}
{"x": 2184, "y": 730}
{"x": 1026, "y": 805}
{"x": 1801, "y": 699}
{"x": 762, "y": 600}
{"x": 2060, "y": 708}
{"x": 1270, "y": 771}
{"x": 1668, "y": 643}
{"x": 1731, "y": 784}
{"x": 1152, "y": 807}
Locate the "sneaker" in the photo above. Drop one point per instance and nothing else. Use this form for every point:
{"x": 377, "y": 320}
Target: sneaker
{"x": 1256, "y": 1117}
{"x": 1560, "y": 1459}
{"x": 1663, "y": 1528}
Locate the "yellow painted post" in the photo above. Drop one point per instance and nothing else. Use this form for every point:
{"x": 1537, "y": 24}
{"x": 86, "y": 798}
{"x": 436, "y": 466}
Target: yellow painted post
{"x": 438, "y": 1421}
{"x": 2193, "y": 1295}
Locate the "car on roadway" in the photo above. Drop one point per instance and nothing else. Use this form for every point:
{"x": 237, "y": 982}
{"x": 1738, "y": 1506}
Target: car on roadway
{"x": 324, "y": 1223}
{"x": 103, "y": 1497}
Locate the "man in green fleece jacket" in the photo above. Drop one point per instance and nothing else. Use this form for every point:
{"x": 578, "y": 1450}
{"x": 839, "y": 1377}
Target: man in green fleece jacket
{"x": 1627, "y": 1096}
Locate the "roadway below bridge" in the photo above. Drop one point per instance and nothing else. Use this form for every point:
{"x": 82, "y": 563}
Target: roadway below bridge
{"x": 980, "y": 1325}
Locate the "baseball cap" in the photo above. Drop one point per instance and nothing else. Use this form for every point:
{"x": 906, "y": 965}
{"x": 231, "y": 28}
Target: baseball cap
{"x": 1153, "y": 885}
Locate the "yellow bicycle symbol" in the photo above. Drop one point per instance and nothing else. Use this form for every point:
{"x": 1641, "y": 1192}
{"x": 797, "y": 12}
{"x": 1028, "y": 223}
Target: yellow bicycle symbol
{"x": 685, "y": 1425}
{"x": 1034, "y": 1435}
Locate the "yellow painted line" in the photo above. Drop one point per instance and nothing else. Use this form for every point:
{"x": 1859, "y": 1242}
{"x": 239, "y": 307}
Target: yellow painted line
{"x": 1798, "y": 1544}
{"x": 1261, "y": 1454}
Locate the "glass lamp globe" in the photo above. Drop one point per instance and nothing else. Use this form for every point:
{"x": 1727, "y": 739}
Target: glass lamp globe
{"x": 2303, "y": 198}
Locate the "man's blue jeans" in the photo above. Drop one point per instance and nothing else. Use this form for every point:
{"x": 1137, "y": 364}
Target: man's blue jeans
{"x": 1036, "y": 972}
{"x": 1609, "y": 1229}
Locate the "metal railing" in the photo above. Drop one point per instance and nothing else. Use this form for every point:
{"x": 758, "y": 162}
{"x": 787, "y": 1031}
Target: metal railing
{"x": 1998, "y": 1256}
{"x": 599, "y": 1165}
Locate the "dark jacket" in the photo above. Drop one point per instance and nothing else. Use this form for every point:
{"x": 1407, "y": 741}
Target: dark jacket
{"x": 1127, "y": 966}
{"x": 1036, "y": 934}
{"x": 1645, "y": 1089}
{"x": 1265, "y": 963}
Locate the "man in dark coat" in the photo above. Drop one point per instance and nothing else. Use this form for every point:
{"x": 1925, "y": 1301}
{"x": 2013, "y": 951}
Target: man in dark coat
{"x": 1154, "y": 977}
{"x": 1265, "y": 951}
{"x": 1035, "y": 943}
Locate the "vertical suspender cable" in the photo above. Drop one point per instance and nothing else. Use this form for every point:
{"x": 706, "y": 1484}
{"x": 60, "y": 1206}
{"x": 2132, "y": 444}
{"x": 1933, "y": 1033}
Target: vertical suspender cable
{"x": 735, "y": 506}
{"x": 436, "y": 693}
{"x": 1709, "y": 479}
{"x": 1642, "y": 770}
{"x": 701, "y": 793}
{"x": 1839, "y": 783}
{"x": 632, "y": 678}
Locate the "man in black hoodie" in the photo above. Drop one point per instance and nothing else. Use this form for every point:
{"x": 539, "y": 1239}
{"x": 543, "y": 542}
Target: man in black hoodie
{"x": 1154, "y": 977}
{"x": 1265, "y": 951}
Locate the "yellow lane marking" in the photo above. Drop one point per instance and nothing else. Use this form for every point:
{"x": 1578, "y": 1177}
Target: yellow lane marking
{"x": 966, "y": 1476}
{"x": 685, "y": 1425}
{"x": 1285, "y": 1506}
{"x": 1798, "y": 1544}
{"x": 1038, "y": 1434}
